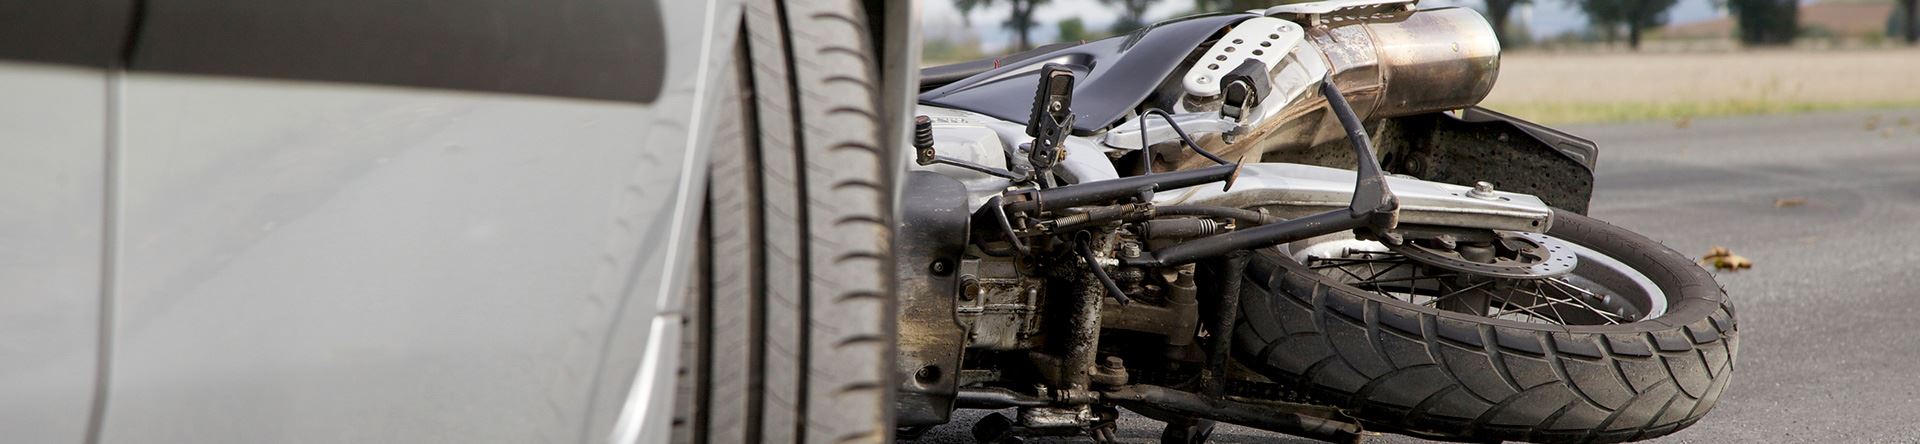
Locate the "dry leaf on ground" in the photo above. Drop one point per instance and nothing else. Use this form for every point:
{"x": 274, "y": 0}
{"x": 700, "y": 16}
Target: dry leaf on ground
{"x": 1723, "y": 259}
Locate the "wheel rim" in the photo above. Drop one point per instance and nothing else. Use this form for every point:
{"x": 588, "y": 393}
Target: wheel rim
{"x": 1599, "y": 290}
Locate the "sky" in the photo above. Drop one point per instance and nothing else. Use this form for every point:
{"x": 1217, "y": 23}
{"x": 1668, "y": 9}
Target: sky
{"x": 1545, "y": 18}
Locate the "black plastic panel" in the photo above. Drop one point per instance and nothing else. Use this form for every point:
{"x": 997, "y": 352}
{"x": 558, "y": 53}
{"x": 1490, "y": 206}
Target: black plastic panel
{"x": 1121, "y": 72}
{"x": 595, "y": 49}
{"x": 73, "y": 32}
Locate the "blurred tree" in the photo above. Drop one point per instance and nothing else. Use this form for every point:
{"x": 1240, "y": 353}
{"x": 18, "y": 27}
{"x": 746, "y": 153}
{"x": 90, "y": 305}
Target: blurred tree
{"x": 1907, "y": 15}
{"x": 1497, "y": 12}
{"x": 1603, "y": 16}
{"x": 1766, "y": 22}
{"x": 1643, "y": 15}
{"x": 1073, "y": 30}
{"x": 1132, "y": 15}
{"x": 1019, "y": 18}
{"x": 966, "y": 8}
{"x": 1519, "y": 34}
{"x": 1635, "y": 15}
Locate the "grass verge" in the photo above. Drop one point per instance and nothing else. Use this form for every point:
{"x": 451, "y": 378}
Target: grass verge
{"x": 1605, "y": 112}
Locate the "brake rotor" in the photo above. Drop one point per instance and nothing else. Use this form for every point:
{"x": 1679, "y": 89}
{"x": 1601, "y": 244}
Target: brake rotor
{"x": 1516, "y": 255}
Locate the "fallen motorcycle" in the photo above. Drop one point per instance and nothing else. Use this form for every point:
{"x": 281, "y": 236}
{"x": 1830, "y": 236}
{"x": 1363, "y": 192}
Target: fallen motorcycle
{"x": 1296, "y": 220}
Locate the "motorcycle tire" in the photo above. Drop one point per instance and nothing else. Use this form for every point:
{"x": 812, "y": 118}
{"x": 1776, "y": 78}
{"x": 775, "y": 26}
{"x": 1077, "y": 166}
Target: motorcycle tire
{"x": 789, "y": 335}
{"x": 1418, "y": 370}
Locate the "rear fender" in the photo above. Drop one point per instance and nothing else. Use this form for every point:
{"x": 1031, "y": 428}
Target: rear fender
{"x": 1482, "y": 145}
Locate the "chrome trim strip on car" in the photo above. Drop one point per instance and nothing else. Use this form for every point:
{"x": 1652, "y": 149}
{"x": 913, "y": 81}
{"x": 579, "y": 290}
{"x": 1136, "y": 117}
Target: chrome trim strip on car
{"x": 641, "y": 405}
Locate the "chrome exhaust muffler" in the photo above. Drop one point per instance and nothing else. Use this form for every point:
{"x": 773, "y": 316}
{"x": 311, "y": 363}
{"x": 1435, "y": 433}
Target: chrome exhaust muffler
{"x": 1387, "y": 58}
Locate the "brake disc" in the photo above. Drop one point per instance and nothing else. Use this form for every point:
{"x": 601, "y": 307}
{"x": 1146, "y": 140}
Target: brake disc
{"x": 1532, "y": 256}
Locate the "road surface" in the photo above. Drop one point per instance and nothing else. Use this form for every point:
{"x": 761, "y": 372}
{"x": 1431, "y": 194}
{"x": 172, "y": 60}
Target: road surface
{"x": 1828, "y": 208}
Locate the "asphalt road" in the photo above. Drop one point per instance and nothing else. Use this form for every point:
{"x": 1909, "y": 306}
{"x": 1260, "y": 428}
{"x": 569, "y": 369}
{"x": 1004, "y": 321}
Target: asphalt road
{"x": 1830, "y": 312}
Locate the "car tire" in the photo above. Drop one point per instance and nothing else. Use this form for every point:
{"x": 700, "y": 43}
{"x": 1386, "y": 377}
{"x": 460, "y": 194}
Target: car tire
{"x": 790, "y": 335}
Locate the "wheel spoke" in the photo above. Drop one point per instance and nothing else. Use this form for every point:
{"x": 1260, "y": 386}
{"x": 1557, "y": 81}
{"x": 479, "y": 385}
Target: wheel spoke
{"x": 1409, "y": 278}
{"x": 1561, "y": 318}
{"x": 1350, "y": 273}
{"x": 1561, "y": 286}
{"x": 1456, "y": 292}
{"x": 1527, "y": 309}
{"x": 1604, "y": 316}
{"x": 1397, "y": 276}
{"x": 1389, "y": 269}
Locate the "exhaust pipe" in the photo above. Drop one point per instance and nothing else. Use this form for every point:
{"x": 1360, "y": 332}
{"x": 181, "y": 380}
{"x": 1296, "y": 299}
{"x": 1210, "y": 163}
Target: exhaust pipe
{"x": 1391, "y": 62}
{"x": 1430, "y": 60}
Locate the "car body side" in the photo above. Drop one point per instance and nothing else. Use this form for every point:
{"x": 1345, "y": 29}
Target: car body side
{"x": 234, "y": 222}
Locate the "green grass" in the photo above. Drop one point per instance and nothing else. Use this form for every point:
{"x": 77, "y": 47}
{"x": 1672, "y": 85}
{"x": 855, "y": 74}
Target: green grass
{"x": 1572, "y": 112}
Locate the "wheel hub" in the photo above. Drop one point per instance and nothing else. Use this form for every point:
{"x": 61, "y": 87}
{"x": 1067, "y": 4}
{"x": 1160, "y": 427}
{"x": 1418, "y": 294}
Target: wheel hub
{"x": 1511, "y": 255}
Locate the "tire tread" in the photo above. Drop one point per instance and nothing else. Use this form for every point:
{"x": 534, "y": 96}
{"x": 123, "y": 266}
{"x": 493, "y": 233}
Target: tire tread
{"x": 1539, "y": 396}
{"x": 801, "y": 334}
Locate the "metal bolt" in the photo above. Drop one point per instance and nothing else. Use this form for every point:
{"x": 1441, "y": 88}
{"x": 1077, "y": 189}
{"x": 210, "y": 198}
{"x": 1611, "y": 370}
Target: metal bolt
{"x": 1113, "y": 363}
{"x": 923, "y": 132}
{"x": 969, "y": 288}
{"x": 1482, "y": 190}
{"x": 1203, "y": 80}
{"x": 927, "y": 375}
{"x": 940, "y": 267}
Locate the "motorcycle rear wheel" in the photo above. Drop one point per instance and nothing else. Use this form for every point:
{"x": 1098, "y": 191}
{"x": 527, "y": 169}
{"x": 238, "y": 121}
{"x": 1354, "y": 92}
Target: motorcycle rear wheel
{"x": 1410, "y": 368}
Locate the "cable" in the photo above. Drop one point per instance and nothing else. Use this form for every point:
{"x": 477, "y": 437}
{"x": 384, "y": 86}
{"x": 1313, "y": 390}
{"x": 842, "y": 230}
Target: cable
{"x": 1146, "y": 151}
{"x": 1113, "y": 288}
{"x": 1183, "y": 135}
{"x": 1006, "y": 226}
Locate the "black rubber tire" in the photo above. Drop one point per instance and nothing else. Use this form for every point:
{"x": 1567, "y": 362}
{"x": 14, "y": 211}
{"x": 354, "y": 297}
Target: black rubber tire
{"x": 1192, "y": 431}
{"x": 790, "y": 336}
{"x": 1404, "y": 368}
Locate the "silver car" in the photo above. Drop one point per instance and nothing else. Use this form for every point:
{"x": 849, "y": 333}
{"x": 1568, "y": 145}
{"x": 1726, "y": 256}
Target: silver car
{"x": 428, "y": 221}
